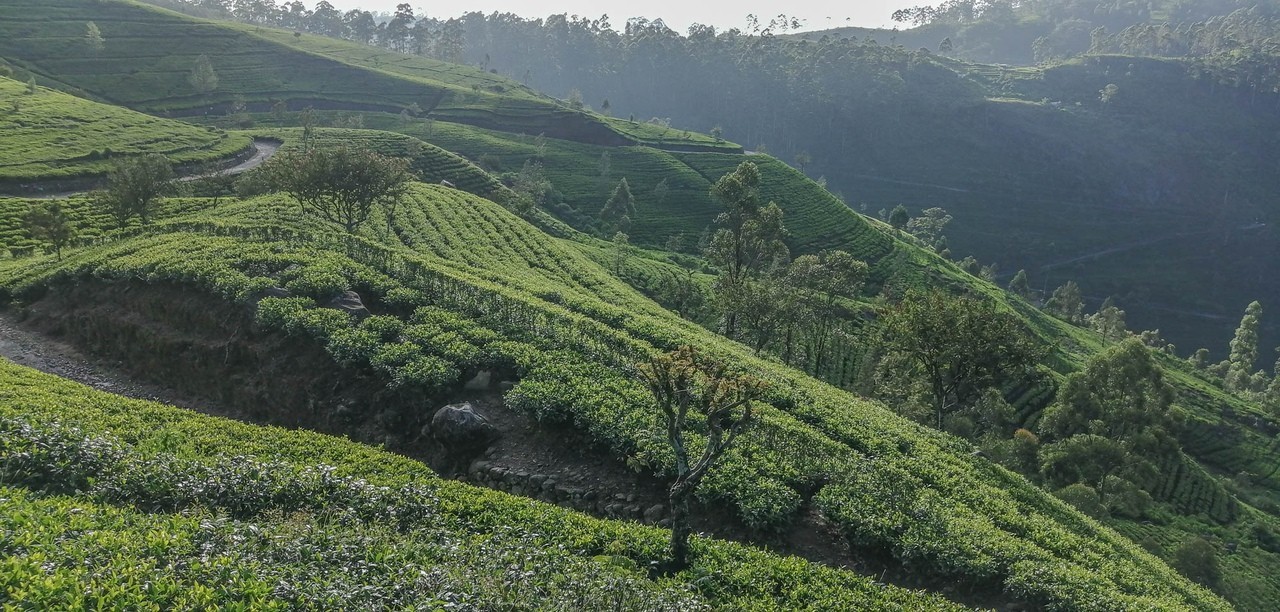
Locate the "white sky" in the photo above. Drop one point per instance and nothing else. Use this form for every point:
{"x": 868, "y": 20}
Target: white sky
{"x": 678, "y": 14}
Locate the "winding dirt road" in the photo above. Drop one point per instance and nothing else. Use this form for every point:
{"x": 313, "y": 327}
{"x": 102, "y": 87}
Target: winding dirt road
{"x": 264, "y": 149}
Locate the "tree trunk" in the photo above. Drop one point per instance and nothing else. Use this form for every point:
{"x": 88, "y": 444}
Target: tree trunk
{"x": 680, "y": 528}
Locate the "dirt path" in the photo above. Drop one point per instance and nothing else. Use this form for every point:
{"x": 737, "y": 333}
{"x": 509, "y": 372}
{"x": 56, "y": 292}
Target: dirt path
{"x": 264, "y": 149}
{"x": 51, "y": 356}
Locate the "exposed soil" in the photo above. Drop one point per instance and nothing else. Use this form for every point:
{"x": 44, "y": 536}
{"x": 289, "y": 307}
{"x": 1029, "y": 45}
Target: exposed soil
{"x": 196, "y": 351}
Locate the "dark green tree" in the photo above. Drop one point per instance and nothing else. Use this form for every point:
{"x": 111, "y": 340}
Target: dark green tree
{"x": 1244, "y": 349}
{"x": 748, "y": 241}
{"x": 1109, "y": 321}
{"x": 1066, "y": 303}
{"x": 619, "y": 212}
{"x": 135, "y": 185}
{"x": 340, "y": 184}
{"x": 826, "y": 278}
{"x": 899, "y": 217}
{"x": 960, "y": 346}
{"x": 928, "y": 227}
{"x": 1019, "y": 285}
{"x": 1197, "y": 559}
{"x": 47, "y": 223}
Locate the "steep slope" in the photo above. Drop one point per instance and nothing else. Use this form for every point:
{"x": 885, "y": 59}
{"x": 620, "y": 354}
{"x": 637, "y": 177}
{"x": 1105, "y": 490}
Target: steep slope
{"x": 1158, "y": 196}
{"x": 149, "y": 506}
{"x": 47, "y": 135}
{"x": 462, "y": 286}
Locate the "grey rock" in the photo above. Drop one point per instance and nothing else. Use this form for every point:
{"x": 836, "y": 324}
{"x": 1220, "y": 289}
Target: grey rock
{"x": 655, "y": 513}
{"x": 350, "y": 303}
{"x": 461, "y": 429}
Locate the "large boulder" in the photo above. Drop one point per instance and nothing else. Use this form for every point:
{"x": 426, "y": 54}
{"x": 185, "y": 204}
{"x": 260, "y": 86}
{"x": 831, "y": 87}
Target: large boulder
{"x": 350, "y": 303}
{"x": 460, "y": 428}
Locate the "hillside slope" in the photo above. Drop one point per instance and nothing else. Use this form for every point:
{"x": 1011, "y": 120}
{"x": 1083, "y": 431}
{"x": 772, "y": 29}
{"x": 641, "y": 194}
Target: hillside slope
{"x": 47, "y": 135}
{"x": 156, "y": 506}
{"x": 507, "y": 296}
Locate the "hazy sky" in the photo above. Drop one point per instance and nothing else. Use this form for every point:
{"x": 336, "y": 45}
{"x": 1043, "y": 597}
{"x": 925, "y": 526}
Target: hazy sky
{"x": 817, "y": 14}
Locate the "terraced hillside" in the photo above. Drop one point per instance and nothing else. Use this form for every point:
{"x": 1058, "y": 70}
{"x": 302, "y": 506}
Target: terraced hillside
{"x": 148, "y": 55}
{"x": 226, "y": 300}
{"x": 462, "y": 285}
{"x": 152, "y": 506}
{"x": 48, "y": 135}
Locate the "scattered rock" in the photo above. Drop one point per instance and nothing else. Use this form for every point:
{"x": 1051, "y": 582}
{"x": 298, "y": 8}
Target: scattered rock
{"x": 654, "y": 513}
{"x": 350, "y": 303}
{"x": 460, "y": 428}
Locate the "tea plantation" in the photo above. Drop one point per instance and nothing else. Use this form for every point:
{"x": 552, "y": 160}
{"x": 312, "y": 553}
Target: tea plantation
{"x": 113, "y": 503}
{"x": 46, "y": 134}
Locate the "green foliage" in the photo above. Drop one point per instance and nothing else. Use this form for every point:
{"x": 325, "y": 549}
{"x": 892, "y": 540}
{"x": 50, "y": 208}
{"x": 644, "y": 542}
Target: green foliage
{"x": 135, "y": 187}
{"x": 102, "y": 134}
{"x": 47, "y": 223}
{"x": 899, "y": 218}
{"x": 566, "y": 327}
{"x": 1244, "y": 349}
{"x": 1197, "y": 559}
{"x": 619, "y": 211}
{"x": 958, "y": 346}
{"x": 174, "y": 509}
{"x": 203, "y": 79}
{"x": 340, "y": 185}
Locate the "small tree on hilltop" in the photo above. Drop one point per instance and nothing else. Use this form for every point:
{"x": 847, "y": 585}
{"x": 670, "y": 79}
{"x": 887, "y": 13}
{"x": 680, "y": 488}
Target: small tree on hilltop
{"x": 681, "y": 382}
{"x": 47, "y": 223}
{"x": 340, "y": 185}
{"x": 135, "y": 186}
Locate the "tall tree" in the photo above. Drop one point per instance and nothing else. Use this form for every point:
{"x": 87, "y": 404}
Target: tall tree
{"x": 1019, "y": 285}
{"x": 1067, "y": 303}
{"x": 620, "y": 210}
{"x": 93, "y": 37}
{"x": 899, "y": 217}
{"x": 748, "y": 240}
{"x": 397, "y": 32}
{"x": 685, "y": 384}
{"x": 828, "y": 277}
{"x": 1108, "y": 321}
{"x": 961, "y": 346}
{"x": 341, "y": 184}
{"x": 203, "y": 78}
{"x": 928, "y": 227}
{"x": 1244, "y": 349}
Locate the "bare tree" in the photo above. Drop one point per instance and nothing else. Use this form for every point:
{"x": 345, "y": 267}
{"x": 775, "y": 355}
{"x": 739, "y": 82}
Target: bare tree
{"x": 684, "y": 381}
